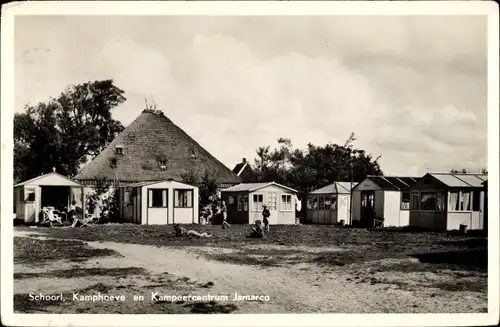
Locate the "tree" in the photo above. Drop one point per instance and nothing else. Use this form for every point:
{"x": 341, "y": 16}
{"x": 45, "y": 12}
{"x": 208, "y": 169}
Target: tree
{"x": 465, "y": 171}
{"x": 66, "y": 131}
{"x": 316, "y": 166}
{"x": 207, "y": 184}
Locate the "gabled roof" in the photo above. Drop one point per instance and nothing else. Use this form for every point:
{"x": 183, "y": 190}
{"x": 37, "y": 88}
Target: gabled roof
{"x": 149, "y": 139}
{"x": 149, "y": 183}
{"x": 336, "y": 187}
{"x": 393, "y": 183}
{"x": 238, "y": 169}
{"x": 37, "y": 180}
{"x": 460, "y": 180}
{"x": 251, "y": 187}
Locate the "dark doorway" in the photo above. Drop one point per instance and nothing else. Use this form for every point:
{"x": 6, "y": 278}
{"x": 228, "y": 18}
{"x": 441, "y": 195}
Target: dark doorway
{"x": 367, "y": 207}
{"x": 55, "y": 196}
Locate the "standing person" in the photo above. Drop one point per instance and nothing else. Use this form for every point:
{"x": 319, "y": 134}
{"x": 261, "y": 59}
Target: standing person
{"x": 71, "y": 211}
{"x": 265, "y": 218}
{"x": 223, "y": 209}
{"x": 97, "y": 207}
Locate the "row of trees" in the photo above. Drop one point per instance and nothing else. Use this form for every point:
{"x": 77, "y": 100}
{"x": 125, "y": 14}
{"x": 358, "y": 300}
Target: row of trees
{"x": 316, "y": 166}
{"x": 65, "y": 131}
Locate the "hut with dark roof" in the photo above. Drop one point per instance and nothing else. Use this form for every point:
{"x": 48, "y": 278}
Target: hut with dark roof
{"x": 386, "y": 197}
{"x": 153, "y": 148}
{"x": 444, "y": 201}
{"x": 330, "y": 204}
{"x": 245, "y": 172}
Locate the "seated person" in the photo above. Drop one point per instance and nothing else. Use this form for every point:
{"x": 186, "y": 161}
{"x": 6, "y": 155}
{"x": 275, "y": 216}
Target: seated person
{"x": 257, "y": 231}
{"x": 180, "y": 231}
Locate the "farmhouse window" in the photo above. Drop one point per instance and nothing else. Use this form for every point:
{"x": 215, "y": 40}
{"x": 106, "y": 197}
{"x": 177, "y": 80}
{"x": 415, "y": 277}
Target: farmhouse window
{"x": 440, "y": 201}
{"x": 183, "y": 198}
{"x": 286, "y": 202}
{"x": 157, "y": 198}
{"x": 240, "y": 203}
{"x": 405, "y": 200}
{"x": 460, "y": 201}
{"x": 258, "y": 201}
{"x": 245, "y": 203}
{"x": 231, "y": 199}
{"x": 315, "y": 203}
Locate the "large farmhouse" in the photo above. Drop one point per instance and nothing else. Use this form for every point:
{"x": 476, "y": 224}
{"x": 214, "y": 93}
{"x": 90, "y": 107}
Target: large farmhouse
{"x": 153, "y": 148}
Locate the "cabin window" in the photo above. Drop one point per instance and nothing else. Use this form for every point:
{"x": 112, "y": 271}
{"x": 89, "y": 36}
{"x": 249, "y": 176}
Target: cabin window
{"x": 192, "y": 154}
{"x": 460, "y": 201}
{"x": 157, "y": 198}
{"x": 414, "y": 201}
{"x": 21, "y": 195}
{"x": 119, "y": 150}
{"x": 240, "y": 203}
{"x": 286, "y": 202}
{"x": 333, "y": 203}
{"x": 476, "y": 200}
{"x": 315, "y": 203}
{"x": 258, "y": 202}
{"x": 30, "y": 195}
{"x": 245, "y": 203}
{"x": 162, "y": 163}
{"x": 231, "y": 199}
{"x": 428, "y": 200}
{"x": 309, "y": 203}
{"x": 183, "y": 198}
{"x": 440, "y": 201}
{"x": 405, "y": 200}
{"x": 321, "y": 201}
{"x": 272, "y": 201}
{"x": 126, "y": 197}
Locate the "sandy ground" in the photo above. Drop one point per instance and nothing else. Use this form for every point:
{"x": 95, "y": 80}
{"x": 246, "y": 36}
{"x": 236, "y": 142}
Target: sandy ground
{"x": 299, "y": 288}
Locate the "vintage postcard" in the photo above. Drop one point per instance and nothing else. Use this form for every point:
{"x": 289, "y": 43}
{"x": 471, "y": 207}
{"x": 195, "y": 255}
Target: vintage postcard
{"x": 268, "y": 163}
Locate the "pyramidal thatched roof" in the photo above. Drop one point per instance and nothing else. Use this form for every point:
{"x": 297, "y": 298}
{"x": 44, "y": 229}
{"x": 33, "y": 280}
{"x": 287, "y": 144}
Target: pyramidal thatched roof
{"x": 150, "y": 141}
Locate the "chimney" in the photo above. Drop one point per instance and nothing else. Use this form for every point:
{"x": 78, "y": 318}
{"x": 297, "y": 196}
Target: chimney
{"x": 244, "y": 160}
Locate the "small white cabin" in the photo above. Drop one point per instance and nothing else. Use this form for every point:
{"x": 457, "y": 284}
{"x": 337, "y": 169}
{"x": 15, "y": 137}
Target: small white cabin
{"x": 330, "y": 204}
{"x": 159, "y": 203}
{"x": 245, "y": 202}
{"x": 385, "y": 197}
{"x": 48, "y": 190}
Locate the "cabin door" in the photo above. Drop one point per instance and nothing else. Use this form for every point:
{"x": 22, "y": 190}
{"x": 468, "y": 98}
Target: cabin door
{"x": 367, "y": 206}
{"x": 272, "y": 205}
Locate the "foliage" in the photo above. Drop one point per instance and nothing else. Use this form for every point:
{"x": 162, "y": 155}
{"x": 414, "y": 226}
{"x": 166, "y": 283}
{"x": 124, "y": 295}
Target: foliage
{"x": 65, "y": 131}
{"x": 207, "y": 184}
{"x": 465, "y": 171}
{"x": 101, "y": 186}
{"x": 316, "y": 166}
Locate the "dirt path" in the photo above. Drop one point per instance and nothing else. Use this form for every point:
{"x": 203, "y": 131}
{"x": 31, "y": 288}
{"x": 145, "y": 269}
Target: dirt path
{"x": 299, "y": 288}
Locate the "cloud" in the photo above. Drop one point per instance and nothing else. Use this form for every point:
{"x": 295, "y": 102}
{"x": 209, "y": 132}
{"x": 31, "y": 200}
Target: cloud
{"x": 414, "y": 92}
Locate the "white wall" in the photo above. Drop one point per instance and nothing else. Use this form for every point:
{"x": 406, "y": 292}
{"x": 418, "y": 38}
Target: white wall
{"x": 154, "y": 216}
{"x": 471, "y": 219}
{"x": 279, "y": 217}
{"x": 392, "y": 205}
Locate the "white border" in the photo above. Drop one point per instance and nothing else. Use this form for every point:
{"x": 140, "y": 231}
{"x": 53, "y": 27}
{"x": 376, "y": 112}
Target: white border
{"x": 247, "y": 8}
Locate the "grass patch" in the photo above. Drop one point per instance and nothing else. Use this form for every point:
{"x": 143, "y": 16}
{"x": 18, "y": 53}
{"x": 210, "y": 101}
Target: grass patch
{"x": 83, "y": 272}
{"x": 36, "y": 251}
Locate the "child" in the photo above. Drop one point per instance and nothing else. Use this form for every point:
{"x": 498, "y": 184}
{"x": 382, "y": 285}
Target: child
{"x": 71, "y": 211}
{"x": 257, "y": 231}
{"x": 179, "y": 231}
{"x": 265, "y": 216}
{"x": 223, "y": 209}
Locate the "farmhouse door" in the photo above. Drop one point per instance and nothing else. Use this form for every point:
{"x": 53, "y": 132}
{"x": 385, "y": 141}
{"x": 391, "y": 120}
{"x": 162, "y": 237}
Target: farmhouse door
{"x": 272, "y": 205}
{"x": 367, "y": 206}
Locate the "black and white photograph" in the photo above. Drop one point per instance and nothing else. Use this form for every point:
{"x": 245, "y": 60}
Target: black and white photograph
{"x": 273, "y": 160}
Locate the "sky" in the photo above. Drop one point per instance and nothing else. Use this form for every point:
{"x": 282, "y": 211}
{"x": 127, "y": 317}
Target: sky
{"x": 413, "y": 89}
